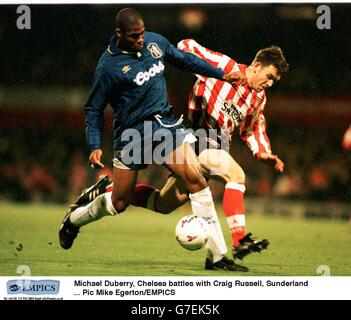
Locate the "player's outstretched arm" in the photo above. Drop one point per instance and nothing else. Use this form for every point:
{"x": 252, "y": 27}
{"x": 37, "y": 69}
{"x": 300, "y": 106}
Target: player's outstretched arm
{"x": 272, "y": 160}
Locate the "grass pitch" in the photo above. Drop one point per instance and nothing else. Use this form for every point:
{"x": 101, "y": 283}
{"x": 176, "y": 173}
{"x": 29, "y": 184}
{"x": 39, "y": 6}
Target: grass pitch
{"x": 142, "y": 243}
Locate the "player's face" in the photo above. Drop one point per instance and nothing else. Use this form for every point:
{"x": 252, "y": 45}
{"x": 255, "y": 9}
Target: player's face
{"x": 263, "y": 77}
{"x": 131, "y": 39}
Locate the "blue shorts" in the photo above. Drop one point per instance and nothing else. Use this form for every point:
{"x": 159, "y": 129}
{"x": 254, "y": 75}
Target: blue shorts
{"x": 149, "y": 142}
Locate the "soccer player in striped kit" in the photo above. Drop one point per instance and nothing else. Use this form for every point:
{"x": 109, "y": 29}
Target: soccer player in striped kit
{"x": 129, "y": 77}
{"x": 215, "y": 105}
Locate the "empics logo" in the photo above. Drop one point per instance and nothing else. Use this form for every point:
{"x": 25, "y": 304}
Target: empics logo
{"x": 31, "y": 287}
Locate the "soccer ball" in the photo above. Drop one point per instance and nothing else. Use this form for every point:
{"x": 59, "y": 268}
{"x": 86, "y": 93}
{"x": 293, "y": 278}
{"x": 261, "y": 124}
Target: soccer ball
{"x": 192, "y": 232}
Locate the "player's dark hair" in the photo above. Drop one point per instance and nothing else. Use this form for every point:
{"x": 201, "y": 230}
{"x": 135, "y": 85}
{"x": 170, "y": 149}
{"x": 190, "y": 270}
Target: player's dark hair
{"x": 127, "y": 17}
{"x": 273, "y": 56}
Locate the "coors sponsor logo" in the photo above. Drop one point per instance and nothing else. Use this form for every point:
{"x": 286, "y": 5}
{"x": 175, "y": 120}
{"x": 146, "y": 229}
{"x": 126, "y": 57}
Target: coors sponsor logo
{"x": 143, "y": 77}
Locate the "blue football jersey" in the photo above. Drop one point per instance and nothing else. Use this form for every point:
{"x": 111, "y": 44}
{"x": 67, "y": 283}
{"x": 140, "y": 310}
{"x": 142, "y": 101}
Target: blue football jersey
{"x": 133, "y": 83}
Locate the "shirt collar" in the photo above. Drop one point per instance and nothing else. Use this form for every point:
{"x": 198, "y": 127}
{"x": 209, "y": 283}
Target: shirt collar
{"x": 114, "y": 50}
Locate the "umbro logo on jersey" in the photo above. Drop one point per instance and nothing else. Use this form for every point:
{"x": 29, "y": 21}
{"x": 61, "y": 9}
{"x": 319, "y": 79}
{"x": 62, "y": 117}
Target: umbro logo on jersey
{"x": 126, "y": 69}
{"x": 155, "y": 51}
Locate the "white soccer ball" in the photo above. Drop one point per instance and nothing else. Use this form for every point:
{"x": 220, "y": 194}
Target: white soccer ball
{"x": 192, "y": 232}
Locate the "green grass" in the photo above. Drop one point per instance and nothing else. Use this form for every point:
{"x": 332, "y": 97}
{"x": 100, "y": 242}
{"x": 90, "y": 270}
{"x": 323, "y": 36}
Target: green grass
{"x": 142, "y": 243}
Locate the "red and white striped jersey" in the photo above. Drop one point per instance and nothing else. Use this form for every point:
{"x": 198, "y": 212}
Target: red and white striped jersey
{"x": 216, "y": 104}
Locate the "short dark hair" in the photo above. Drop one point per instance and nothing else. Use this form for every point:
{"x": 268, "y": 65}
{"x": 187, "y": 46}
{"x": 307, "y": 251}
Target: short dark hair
{"x": 127, "y": 17}
{"x": 273, "y": 56}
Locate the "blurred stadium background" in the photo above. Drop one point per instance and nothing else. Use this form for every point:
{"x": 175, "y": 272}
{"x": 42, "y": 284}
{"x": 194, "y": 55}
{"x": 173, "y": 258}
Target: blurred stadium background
{"x": 46, "y": 74}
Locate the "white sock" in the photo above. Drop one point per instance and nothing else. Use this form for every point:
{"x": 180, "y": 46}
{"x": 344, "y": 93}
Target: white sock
{"x": 95, "y": 210}
{"x": 203, "y": 206}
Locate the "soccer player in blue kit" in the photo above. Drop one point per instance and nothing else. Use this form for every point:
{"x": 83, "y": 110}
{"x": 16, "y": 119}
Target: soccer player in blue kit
{"x": 129, "y": 76}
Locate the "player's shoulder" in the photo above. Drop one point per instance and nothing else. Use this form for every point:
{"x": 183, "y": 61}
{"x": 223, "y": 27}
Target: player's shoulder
{"x": 105, "y": 61}
{"x": 110, "y": 66}
{"x": 114, "y": 58}
{"x": 150, "y": 36}
{"x": 153, "y": 37}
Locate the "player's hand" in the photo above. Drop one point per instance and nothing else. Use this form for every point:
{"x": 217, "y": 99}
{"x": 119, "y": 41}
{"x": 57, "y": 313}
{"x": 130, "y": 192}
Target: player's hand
{"x": 95, "y": 159}
{"x": 237, "y": 78}
{"x": 273, "y": 160}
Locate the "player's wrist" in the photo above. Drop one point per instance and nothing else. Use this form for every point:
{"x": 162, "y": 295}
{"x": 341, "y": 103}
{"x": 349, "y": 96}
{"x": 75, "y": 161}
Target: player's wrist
{"x": 93, "y": 148}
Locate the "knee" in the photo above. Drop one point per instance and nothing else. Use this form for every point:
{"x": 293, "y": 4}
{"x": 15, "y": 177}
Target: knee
{"x": 194, "y": 179}
{"x": 236, "y": 175}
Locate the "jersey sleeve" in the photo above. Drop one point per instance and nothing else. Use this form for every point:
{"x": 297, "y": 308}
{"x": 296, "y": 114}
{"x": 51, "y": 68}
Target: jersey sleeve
{"x": 253, "y": 131}
{"x": 94, "y": 108}
{"x": 190, "y": 62}
{"x": 216, "y": 59}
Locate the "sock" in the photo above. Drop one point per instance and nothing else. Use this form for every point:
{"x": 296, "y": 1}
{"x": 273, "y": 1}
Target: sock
{"x": 95, "y": 210}
{"x": 233, "y": 205}
{"x": 202, "y": 205}
{"x": 144, "y": 196}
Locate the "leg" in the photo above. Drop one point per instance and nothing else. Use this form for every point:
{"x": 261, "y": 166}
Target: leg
{"x": 215, "y": 163}
{"x": 220, "y": 165}
{"x": 123, "y": 188}
{"x": 175, "y": 191}
{"x": 184, "y": 163}
{"x": 108, "y": 203}
{"x": 172, "y": 196}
